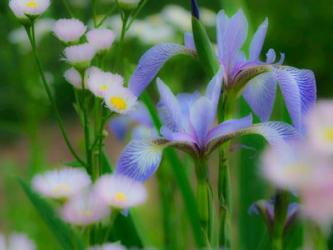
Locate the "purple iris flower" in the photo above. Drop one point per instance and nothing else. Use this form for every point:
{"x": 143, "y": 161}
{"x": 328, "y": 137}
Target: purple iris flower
{"x": 256, "y": 80}
{"x": 189, "y": 124}
{"x": 139, "y": 119}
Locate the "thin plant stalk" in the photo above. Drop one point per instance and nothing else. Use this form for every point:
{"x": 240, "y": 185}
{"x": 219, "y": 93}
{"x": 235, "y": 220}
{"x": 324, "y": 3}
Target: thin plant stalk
{"x": 31, "y": 36}
{"x": 280, "y": 215}
{"x": 204, "y": 199}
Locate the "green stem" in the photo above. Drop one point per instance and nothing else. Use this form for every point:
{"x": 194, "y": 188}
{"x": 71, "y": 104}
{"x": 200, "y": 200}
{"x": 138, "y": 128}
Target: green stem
{"x": 83, "y": 106}
{"x": 224, "y": 190}
{"x": 204, "y": 201}
{"x": 224, "y": 198}
{"x": 49, "y": 94}
{"x": 280, "y": 216}
{"x": 67, "y": 7}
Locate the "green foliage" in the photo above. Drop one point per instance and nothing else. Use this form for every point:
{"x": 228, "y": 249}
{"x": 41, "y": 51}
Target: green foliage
{"x": 66, "y": 237}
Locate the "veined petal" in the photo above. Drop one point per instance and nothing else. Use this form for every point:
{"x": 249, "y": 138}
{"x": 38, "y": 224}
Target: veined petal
{"x": 202, "y": 116}
{"x": 258, "y": 41}
{"x": 298, "y": 86}
{"x": 234, "y": 33}
{"x": 150, "y": 64}
{"x": 276, "y": 133}
{"x": 229, "y": 127}
{"x": 140, "y": 159}
{"x": 214, "y": 88}
{"x": 260, "y": 94}
{"x": 170, "y": 109}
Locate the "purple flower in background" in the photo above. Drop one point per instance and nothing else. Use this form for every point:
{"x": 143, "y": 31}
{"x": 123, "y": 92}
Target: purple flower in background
{"x": 139, "y": 118}
{"x": 188, "y": 124}
{"x": 254, "y": 79}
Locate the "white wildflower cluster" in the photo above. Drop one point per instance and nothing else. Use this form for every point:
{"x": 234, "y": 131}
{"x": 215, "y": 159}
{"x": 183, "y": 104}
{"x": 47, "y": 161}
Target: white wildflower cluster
{"x": 86, "y": 203}
{"x": 82, "y": 74}
{"x": 173, "y": 20}
{"x": 28, "y": 9}
{"x": 306, "y": 167}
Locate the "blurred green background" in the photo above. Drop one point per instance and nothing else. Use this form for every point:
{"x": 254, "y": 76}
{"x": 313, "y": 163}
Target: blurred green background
{"x": 30, "y": 141}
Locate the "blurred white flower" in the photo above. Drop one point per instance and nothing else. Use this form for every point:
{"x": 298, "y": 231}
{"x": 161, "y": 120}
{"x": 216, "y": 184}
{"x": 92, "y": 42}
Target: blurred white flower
{"x": 101, "y": 39}
{"x": 100, "y": 82}
{"x": 208, "y": 17}
{"x": 85, "y": 208}
{"x": 16, "y": 241}
{"x": 73, "y": 77}
{"x": 80, "y": 56}
{"x": 150, "y": 30}
{"x": 23, "y": 8}
{"x": 19, "y": 36}
{"x": 120, "y": 191}
{"x": 2, "y": 242}
{"x": 69, "y": 30}
{"x": 120, "y": 99}
{"x": 178, "y": 17}
{"x": 108, "y": 246}
{"x": 61, "y": 183}
{"x": 319, "y": 124}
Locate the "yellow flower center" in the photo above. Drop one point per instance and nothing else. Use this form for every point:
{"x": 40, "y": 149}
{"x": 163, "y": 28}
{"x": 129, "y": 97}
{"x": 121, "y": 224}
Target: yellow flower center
{"x": 120, "y": 196}
{"x": 87, "y": 213}
{"x": 32, "y": 4}
{"x": 328, "y": 133}
{"x": 118, "y": 102}
{"x": 61, "y": 188}
{"x": 104, "y": 87}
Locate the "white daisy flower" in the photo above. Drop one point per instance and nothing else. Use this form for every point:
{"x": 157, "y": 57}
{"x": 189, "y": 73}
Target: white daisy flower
{"x": 73, "y": 77}
{"x": 108, "y": 246}
{"x": 319, "y": 124}
{"x": 120, "y": 99}
{"x": 85, "y": 208}
{"x": 120, "y": 191}
{"x": 101, "y": 39}
{"x": 69, "y": 30}
{"x": 62, "y": 183}
{"x": 2, "y": 242}
{"x": 18, "y": 241}
{"x": 100, "y": 82}
{"x": 81, "y": 55}
{"x": 24, "y": 8}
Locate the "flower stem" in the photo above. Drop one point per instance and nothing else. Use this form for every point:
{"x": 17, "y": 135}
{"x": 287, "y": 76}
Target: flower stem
{"x": 224, "y": 199}
{"x": 31, "y": 36}
{"x": 280, "y": 216}
{"x": 204, "y": 200}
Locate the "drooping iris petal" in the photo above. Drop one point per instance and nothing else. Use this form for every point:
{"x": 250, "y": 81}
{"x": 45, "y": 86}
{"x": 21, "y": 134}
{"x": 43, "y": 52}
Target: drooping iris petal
{"x": 276, "y": 133}
{"x": 170, "y": 107}
{"x": 229, "y": 127}
{"x": 213, "y": 91}
{"x": 299, "y": 90}
{"x": 232, "y": 34}
{"x": 258, "y": 41}
{"x": 260, "y": 95}
{"x": 151, "y": 62}
{"x": 120, "y": 126}
{"x": 202, "y": 116}
{"x": 140, "y": 159}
